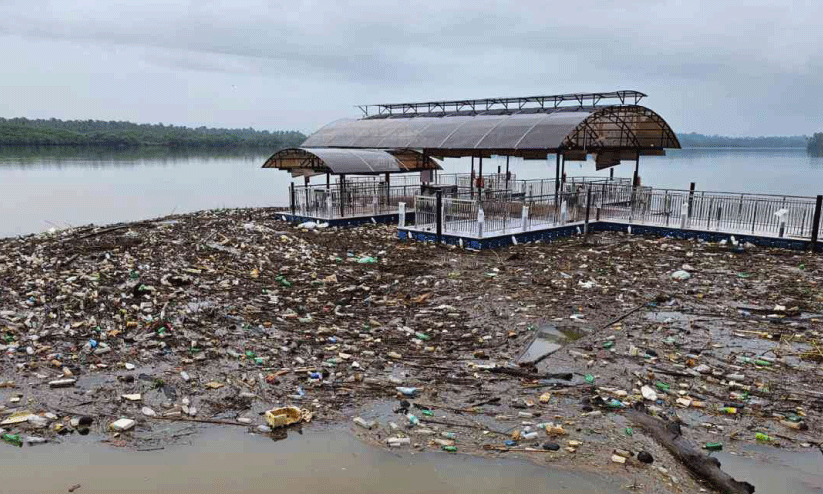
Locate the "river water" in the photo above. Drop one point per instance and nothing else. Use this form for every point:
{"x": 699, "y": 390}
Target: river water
{"x": 319, "y": 462}
{"x": 41, "y": 188}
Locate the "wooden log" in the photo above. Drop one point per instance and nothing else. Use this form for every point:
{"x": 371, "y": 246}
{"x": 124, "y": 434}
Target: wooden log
{"x": 566, "y": 376}
{"x": 704, "y": 467}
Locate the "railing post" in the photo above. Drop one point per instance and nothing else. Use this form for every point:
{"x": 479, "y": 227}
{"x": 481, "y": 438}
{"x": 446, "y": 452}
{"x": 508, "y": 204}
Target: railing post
{"x": 525, "y": 218}
{"x": 684, "y": 211}
{"x": 374, "y": 205}
{"x": 481, "y": 218}
{"x": 341, "y": 184}
{"x": 439, "y": 213}
{"x": 401, "y": 215}
{"x": 588, "y": 208}
{"x": 816, "y": 222}
{"x": 563, "y": 209}
{"x": 291, "y": 198}
{"x": 328, "y": 204}
{"x": 691, "y": 196}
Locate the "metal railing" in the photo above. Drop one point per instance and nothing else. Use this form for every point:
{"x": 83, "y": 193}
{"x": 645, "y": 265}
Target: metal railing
{"x": 351, "y": 199}
{"x": 508, "y": 212}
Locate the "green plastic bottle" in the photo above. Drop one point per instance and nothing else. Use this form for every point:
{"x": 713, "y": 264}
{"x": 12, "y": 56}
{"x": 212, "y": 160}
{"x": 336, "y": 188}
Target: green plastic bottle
{"x": 13, "y": 439}
{"x": 450, "y": 449}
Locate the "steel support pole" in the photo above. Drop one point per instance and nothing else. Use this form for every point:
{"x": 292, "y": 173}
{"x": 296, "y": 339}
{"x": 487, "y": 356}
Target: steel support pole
{"x": 439, "y": 212}
{"x": 480, "y": 179}
{"x": 557, "y": 177}
{"x": 306, "y": 186}
{"x": 388, "y": 190}
{"x": 816, "y": 222}
{"x": 342, "y": 194}
{"x": 328, "y": 181}
{"x": 507, "y": 172}
{"x": 291, "y": 198}
{"x": 471, "y": 180}
{"x": 691, "y": 198}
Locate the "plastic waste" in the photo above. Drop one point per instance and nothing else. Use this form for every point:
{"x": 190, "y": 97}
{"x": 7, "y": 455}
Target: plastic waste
{"x": 405, "y": 391}
{"x": 713, "y": 446}
{"x": 366, "y": 424}
{"x": 366, "y": 260}
{"x": 681, "y": 275}
{"x": 13, "y": 439}
{"x": 450, "y": 449}
{"x": 283, "y": 416}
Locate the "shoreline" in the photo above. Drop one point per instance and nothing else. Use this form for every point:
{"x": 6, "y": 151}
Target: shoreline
{"x": 245, "y": 305}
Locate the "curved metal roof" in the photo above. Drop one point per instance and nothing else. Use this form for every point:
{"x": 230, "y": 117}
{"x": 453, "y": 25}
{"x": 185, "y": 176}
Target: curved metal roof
{"x": 310, "y": 161}
{"x": 585, "y": 128}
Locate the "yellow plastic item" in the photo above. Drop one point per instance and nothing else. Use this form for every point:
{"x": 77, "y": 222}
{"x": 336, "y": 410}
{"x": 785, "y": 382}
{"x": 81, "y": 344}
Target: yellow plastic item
{"x": 281, "y": 417}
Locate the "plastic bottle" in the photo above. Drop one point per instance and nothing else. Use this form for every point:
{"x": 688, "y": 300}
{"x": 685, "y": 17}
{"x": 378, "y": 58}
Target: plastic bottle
{"x": 13, "y": 439}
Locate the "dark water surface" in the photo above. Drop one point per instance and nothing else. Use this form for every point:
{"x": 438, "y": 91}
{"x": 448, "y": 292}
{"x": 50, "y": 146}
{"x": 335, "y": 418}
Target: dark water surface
{"x": 42, "y": 188}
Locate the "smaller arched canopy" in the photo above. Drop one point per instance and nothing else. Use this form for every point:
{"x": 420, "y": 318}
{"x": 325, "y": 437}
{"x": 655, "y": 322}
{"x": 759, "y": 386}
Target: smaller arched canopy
{"x": 337, "y": 161}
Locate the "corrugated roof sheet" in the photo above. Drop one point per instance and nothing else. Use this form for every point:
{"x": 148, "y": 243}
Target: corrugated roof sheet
{"x": 515, "y": 131}
{"x": 349, "y": 161}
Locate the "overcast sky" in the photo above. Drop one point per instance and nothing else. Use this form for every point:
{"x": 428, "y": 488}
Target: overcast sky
{"x": 708, "y": 66}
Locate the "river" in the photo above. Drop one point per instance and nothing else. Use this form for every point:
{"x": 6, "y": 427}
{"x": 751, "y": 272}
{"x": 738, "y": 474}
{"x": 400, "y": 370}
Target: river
{"x": 41, "y": 188}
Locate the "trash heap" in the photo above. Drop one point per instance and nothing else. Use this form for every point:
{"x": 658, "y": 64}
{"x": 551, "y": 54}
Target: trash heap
{"x": 136, "y": 332}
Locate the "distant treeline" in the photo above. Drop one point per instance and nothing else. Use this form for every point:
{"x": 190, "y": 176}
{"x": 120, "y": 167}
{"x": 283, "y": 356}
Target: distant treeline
{"x": 53, "y": 132}
{"x": 815, "y": 146}
{"x": 694, "y": 140}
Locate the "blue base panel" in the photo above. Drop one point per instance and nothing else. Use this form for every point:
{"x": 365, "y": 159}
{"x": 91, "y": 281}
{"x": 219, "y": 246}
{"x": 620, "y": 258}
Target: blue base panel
{"x": 551, "y": 234}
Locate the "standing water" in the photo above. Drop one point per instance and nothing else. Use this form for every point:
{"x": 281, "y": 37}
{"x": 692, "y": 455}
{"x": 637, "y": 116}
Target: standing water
{"x": 225, "y": 461}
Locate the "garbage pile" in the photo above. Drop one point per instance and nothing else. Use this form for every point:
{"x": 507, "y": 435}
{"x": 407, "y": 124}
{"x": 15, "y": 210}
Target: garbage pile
{"x": 137, "y": 332}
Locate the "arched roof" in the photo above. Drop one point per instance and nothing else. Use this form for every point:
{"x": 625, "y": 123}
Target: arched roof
{"x": 528, "y": 134}
{"x": 305, "y": 161}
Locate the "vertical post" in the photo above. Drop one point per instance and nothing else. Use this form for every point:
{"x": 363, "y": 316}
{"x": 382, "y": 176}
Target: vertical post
{"x": 611, "y": 173}
{"x": 328, "y": 180}
{"x": 563, "y": 170}
{"x": 439, "y": 212}
{"x": 691, "y": 198}
{"x": 557, "y": 178}
{"x": 388, "y": 190}
{"x": 480, "y": 179}
{"x": 342, "y": 194}
{"x": 291, "y": 198}
{"x": 588, "y": 208}
{"x": 635, "y": 182}
{"x": 471, "y": 180}
{"x": 507, "y": 172}
{"x": 816, "y": 222}
{"x": 306, "y": 186}
{"x": 525, "y": 218}
{"x": 401, "y": 215}
{"x": 481, "y": 218}
{"x": 684, "y": 213}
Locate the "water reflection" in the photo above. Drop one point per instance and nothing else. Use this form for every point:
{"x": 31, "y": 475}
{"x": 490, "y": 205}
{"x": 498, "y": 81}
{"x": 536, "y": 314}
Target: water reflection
{"x": 98, "y": 156}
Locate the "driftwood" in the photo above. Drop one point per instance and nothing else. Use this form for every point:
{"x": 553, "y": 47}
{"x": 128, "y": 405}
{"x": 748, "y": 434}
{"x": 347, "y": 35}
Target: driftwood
{"x": 704, "y": 467}
{"x": 566, "y": 376}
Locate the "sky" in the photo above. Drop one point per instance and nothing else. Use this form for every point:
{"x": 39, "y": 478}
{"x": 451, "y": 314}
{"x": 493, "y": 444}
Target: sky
{"x": 714, "y": 67}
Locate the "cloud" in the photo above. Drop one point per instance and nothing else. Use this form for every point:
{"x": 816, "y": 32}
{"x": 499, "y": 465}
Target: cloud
{"x": 697, "y": 59}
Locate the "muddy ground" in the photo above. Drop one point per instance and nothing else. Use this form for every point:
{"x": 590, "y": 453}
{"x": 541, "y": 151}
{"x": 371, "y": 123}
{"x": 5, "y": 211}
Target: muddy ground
{"x": 217, "y": 316}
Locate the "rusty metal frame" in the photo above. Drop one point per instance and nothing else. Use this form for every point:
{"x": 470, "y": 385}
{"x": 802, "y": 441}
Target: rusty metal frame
{"x": 586, "y": 135}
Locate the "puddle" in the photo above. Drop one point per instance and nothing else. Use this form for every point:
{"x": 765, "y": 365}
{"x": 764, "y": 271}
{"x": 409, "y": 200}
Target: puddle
{"x": 786, "y": 472}
{"x": 223, "y": 460}
{"x": 548, "y": 340}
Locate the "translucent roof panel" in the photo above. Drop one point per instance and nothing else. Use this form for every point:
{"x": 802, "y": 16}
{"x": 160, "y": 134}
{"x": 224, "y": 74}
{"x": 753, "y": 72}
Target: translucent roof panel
{"x": 350, "y": 161}
{"x": 621, "y": 126}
